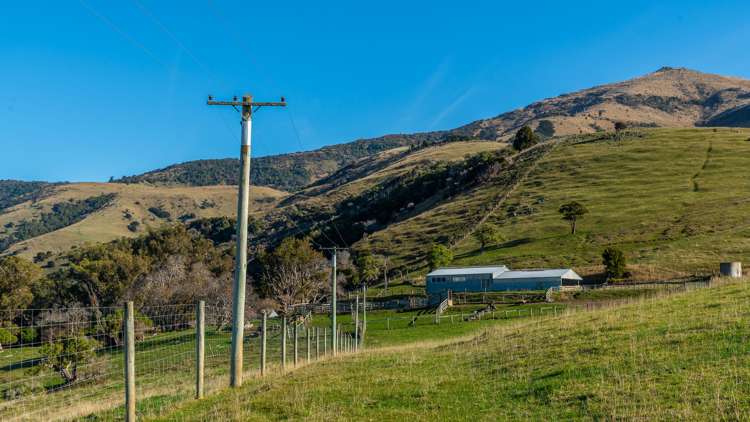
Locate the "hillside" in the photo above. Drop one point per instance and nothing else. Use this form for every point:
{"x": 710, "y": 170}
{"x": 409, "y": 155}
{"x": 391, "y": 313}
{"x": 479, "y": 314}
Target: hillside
{"x": 669, "y": 97}
{"x": 653, "y": 193}
{"x": 137, "y": 206}
{"x": 680, "y": 357}
{"x": 287, "y": 172}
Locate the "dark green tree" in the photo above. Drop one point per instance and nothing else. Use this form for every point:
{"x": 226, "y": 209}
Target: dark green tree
{"x": 17, "y": 279}
{"x": 546, "y": 128}
{"x": 572, "y": 212}
{"x": 487, "y": 234}
{"x": 614, "y": 263}
{"x": 440, "y": 256}
{"x": 525, "y": 137}
{"x": 620, "y": 126}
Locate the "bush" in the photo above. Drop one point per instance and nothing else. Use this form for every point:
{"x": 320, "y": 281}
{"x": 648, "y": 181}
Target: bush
{"x": 27, "y": 335}
{"x": 525, "y": 137}
{"x": 440, "y": 256}
{"x": 133, "y": 226}
{"x": 159, "y": 212}
{"x": 7, "y": 337}
{"x": 614, "y": 263}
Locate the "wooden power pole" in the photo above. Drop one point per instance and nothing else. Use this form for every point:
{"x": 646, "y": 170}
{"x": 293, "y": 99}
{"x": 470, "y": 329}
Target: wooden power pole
{"x": 243, "y": 203}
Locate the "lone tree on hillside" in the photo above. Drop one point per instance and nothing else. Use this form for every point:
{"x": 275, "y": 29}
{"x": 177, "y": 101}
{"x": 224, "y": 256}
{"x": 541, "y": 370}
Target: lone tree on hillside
{"x": 487, "y": 234}
{"x": 294, "y": 273}
{"x": 620, "y": 126}
{"x": 440, "y": 256}
{"x": 571, "y": 212}
{"x": 525, "y": 137}
{"x": 614, "y": 263}
{"x": 367, "y": 267}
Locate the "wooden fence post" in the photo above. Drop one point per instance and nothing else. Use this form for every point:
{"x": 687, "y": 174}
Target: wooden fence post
{"x": 129, "y": 334}
{"x": 317, "y": 342}
{"x": 200, "y": 346}
{"x": 307, "y": 334}
{"x": 263, "y": 339}
{"x": 283, "y": 342}
{"x": 296, "y": 349}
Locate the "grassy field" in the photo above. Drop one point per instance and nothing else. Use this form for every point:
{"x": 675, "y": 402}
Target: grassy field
{"x": 165, "y": 362}
{"x": 680, "y": 357}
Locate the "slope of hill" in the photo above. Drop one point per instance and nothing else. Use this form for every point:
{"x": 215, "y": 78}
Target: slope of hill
{"x": 287, "y": 172}
{"x": 681, "y": 357}
{"x": 132, "y": 210}
{"x": 673, "y": 199}
{"x": 669, "y": 97}
{"x": 13, "y": 192}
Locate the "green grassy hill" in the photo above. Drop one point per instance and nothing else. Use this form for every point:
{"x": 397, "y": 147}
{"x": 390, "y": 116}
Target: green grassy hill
{"x": 674, "y": 200}
{"x": 680, "y": 357}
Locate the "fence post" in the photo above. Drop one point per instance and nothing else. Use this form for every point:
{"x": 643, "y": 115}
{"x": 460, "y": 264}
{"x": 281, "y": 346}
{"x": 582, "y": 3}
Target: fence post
{"x": 317, "y": 342}
{"x": 388, "y": 323}
{"x": 129, "y": 335}
{"x": 296, "y": 349}
{"x": 325, "y": 341}
{"x": 307, "y": 334}
{"x": 200, "y": 347}
{"x": 263, "y": 337}
{"x": 356, "y": 324}
{"x": 283, "y": 342}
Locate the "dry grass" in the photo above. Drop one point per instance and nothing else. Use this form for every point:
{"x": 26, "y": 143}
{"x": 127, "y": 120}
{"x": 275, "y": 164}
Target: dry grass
{"x": 110, "y": 223}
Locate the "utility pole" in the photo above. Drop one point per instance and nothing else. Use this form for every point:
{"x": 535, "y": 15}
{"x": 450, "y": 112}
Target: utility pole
{"x": 334, "y": 340}
{"x": 243, "y": 203}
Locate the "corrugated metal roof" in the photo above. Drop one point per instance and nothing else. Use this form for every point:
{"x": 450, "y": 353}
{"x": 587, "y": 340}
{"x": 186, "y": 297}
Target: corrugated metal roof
{"x": 495, "y": 271}
{"x": 561, "y": 273}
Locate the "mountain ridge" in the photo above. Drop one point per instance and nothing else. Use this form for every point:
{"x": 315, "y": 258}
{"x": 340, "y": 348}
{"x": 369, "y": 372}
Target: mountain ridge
{"x": 668, "y": 97}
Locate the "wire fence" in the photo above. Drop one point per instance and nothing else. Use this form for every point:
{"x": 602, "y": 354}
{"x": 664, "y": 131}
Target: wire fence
{"x": 67, "y": 363}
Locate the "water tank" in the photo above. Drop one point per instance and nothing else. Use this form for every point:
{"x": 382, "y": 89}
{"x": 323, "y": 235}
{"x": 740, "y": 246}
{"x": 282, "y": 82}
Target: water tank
{"x": 731, "y": 269}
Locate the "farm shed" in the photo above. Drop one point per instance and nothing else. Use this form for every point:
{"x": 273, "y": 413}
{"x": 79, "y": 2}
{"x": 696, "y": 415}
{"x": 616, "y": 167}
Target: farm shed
{"x": 496, "y": 278}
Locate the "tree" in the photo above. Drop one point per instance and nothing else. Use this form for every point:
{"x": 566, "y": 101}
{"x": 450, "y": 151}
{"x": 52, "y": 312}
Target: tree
{"x": 66, "y": 356}
{"x": 487, "y": 234}
{"x": 367, "y": 267}
{"x": 620, "y": 126}
{"x": 614, "y": 263}
{"x": 294, "y": 273}
{"x": 525, "y": 137}
{"x": 546, "y": 128}
{"x": 440, "y": 256}
{"x": 571, "y": 212}
{"x": 17, "y": 279}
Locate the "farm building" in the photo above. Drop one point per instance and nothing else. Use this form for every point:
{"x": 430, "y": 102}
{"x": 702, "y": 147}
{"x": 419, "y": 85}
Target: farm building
{"x": 496, "y": 278}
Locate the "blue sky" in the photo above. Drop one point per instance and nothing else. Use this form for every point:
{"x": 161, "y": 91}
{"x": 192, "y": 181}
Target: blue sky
{"x": 93, "y": 88}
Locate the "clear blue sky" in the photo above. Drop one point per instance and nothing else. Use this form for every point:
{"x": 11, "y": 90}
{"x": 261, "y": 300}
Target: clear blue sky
{"x": 93, "y": 88}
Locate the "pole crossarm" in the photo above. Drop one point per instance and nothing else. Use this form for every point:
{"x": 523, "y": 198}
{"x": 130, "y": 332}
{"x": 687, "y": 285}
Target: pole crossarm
{"x": 244, "y": 103}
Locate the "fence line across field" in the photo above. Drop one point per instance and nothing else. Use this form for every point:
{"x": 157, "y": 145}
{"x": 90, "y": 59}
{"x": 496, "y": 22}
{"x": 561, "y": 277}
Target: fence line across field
{"x": 80, "y": 357}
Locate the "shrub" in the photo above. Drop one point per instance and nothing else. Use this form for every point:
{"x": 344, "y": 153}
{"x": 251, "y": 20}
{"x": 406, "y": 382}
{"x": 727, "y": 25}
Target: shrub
{"x": 159, "y": 212}
{"x": 440, "y": 256}
{"x": 133, "y": 226}
{"x": 6, "y": 337}
{"x": 614, "y": 263}
{"x": 525, "y": 137}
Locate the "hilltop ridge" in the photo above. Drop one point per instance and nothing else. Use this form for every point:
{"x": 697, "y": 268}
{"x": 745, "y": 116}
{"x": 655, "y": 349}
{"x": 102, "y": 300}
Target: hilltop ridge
{"x": 668, "y": 97}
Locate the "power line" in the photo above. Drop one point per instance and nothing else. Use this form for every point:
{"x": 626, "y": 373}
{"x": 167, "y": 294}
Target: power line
{"x": 124, "y": 34}
{"x": 179, "y": 43}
